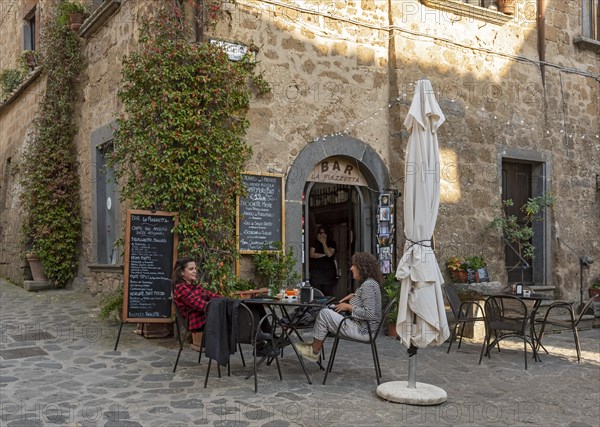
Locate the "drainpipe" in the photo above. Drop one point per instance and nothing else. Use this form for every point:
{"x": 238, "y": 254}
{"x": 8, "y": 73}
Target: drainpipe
{"x": 541, "y": 37}
{"x": 199, "y": 20}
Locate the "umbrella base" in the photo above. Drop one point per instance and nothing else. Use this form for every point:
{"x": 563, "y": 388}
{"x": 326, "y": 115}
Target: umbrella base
{"x": 423, "y": 394}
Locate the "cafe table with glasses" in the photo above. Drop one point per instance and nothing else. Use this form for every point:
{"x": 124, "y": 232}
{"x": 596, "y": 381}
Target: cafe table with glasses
{"x": 288, "y": 310}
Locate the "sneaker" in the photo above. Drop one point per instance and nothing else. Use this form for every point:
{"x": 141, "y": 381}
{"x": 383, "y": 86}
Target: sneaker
{"x": 306, "y": 350}
{"x": 299, "y": 344}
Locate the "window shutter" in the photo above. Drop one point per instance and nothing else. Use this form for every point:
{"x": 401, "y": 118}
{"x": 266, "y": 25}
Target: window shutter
{"x": 27, "y": 45}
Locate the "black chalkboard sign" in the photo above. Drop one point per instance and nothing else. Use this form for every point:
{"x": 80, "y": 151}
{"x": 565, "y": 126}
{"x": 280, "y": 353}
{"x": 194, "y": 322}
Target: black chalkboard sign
{"x": 150, "y": 253}
{"x": 260, "y": 213}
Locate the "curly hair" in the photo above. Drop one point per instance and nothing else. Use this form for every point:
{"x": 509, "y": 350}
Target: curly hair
{"x": 367, "y": 266}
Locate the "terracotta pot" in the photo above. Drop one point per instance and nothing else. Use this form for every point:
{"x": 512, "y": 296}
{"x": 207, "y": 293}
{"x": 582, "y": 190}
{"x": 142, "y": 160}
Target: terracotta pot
{"x": 392, "y": 332}
{"x": 31, "y": 62}
{"x": 506, "y": 6}
{"x": 245, "y": 294}
{"x": 76, "y": 20}
{"x": 37, "y": 269}
{"x": 459, "y": 276}
{"x": 594, "y": 291}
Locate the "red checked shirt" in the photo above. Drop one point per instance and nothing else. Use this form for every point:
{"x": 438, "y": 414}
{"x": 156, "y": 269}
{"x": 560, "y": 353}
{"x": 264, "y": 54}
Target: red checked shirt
{"x": 192, "y": 300}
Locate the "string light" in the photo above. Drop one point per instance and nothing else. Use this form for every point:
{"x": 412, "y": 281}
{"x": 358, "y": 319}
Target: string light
{"x": 403, "y": 99}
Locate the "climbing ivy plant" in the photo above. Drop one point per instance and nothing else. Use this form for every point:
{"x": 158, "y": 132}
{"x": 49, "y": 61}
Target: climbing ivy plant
{"x": 180, "y": 144}
{"x": 49, "y": 177}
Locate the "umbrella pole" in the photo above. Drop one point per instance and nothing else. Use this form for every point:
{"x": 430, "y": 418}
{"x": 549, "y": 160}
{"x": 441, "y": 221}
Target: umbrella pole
{"x": 412, "y": 366}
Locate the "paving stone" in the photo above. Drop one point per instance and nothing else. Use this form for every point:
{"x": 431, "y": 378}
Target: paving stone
{"x": 80, "y": 371}
{"x": 188, "y": 403}
{"x": 20, "y": 353}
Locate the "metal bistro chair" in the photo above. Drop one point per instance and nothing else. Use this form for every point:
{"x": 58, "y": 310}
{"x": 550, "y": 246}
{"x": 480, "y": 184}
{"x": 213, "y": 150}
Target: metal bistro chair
{"x": 251, "y": 329}
{"x": 568, "y": 323}
{"x": 506, "y": 316}
{"x": 371, "y": 339}
{"x": 226, "y": 321}
{"x": 254, "y": 330}
{"x": 463, "y": 313}
{"x": 182, "y": 332}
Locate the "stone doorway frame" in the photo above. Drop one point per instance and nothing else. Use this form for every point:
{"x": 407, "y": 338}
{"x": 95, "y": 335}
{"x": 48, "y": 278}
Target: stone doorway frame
{"x": 372, "y": 165}
{"x": 541, "y": 172}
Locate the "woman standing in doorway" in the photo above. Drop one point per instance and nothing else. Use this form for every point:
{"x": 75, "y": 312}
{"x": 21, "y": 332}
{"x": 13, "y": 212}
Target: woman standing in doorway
{"x": 323, "y": 272}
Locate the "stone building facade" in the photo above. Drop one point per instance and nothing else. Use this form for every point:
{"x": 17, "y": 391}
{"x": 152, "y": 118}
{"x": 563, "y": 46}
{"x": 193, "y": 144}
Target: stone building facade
{"x": 520, "y": 92}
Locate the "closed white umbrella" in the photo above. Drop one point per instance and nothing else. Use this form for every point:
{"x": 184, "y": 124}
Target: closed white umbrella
{"x": 421, "y": 292}
{"x": 421, "y": 314}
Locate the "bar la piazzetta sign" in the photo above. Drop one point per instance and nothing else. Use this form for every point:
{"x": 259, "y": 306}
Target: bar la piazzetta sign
{"x": 337, "y": 170}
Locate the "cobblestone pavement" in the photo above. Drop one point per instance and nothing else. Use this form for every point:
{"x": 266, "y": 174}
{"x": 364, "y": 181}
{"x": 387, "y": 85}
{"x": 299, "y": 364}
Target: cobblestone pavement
{"x": 58, "y": 367}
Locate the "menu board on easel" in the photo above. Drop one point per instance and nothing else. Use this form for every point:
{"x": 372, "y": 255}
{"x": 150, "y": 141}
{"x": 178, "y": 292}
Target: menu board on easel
{"x": 260, "y": 213}
{"x": 150, "y": 253}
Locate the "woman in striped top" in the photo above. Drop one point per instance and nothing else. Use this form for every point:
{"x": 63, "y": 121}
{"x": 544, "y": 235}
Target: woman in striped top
{"x": 364, "y": 304}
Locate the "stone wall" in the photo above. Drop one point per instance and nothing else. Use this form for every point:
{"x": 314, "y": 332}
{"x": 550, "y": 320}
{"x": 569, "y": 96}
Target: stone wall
{"x": 16, "y": 124}
{"x": 103, "y": 279}
{"x": 349, "y": 68}
{"x": 11, "y": 33}
{"x": 324, "y": 78}
{"x": 99, "y": 109}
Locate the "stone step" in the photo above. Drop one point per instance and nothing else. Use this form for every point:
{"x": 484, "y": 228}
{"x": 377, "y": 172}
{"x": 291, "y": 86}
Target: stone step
{"x": 547, "y": 291}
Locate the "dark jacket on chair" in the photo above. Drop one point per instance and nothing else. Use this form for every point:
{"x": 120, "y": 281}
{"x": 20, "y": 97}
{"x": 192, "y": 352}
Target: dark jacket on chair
{"x": 221, "y": 329}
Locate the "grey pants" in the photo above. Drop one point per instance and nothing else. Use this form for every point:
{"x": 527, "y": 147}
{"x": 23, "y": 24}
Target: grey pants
{"x": 328, "y": 320}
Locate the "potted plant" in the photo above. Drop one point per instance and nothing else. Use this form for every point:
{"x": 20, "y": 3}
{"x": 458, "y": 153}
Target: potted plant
{"x": 36, "y": 267}
{"x": 72, "y": 14}
{"x": 391, "y": 289}
{"x": 456, "y": 267}
{"x": 243, "y": 288}
{"x": 595, "y": 288}
{"x": 48, "y": 173}
{"x": 276, "y": 267}
{"x": 476, "y": 271}
{"x": 506, "y": 6}
{"x": 29, "y": 59}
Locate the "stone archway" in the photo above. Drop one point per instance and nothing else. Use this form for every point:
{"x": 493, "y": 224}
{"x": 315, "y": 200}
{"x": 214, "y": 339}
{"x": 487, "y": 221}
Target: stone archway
{"x": 340, "y": 145}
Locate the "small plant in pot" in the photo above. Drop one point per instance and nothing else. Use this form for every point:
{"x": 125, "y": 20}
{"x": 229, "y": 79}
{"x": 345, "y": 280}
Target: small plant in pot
{"x": 456, "y": 267}
{"x": 72, "y": 14}
{"x": 391, "y": 290}
{"x": 29, "y": 59}
{"x": 276, "y": 267}
{"x": 595, "y": 288}
{"x": 476, "y": 271}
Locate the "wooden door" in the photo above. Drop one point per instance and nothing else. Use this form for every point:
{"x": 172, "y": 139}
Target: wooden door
{"x": 516, "y": 185}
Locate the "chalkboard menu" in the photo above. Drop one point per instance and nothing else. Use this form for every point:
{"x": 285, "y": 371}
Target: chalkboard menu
{"x": 150, "y": 251}
{"x": 260, "y": 213}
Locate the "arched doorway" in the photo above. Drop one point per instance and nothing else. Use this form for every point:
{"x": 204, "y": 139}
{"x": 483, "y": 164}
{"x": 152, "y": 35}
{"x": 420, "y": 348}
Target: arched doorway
{"x": 348, "y": 206}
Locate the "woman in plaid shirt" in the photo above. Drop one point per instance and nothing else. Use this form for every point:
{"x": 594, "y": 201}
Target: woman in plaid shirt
{"x": 364, "y": 304}
{"x": 191, "y": 298}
